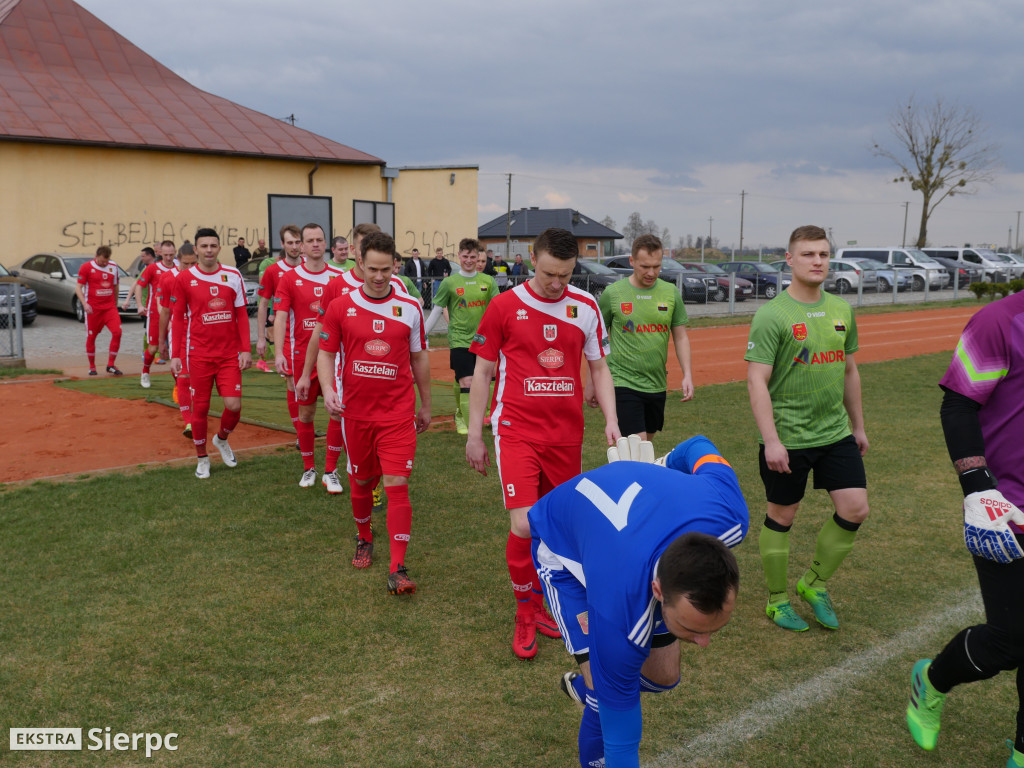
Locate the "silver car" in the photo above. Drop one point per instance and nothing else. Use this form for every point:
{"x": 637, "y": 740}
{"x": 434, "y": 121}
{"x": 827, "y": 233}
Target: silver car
{"x": 53, "y": 276}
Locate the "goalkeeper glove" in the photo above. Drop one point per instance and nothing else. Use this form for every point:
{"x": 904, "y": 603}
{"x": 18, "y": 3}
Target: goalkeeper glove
{"x": 632, "y": 448}
{"x": 986, "y": 533}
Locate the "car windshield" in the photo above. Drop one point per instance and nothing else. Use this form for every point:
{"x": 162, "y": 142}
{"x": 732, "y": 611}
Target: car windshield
{"x": 597, "y": 269}
{"x": 712, "y": 268}
{"x": 868, "y": 265}
{"x": 74, "y": 263}
{"x": 760, "y": 267}
{"x": 922, "y": 256}
{"x": 4, "y": 272}
{"x": 670, "y": 265}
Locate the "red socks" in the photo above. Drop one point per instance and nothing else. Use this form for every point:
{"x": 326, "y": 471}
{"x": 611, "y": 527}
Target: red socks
{"x": 334, "y": 442}
{"x": 399, "y": 522}
{"x": 307, "y": 438}
{"x": 293, "y": 407}
{"x": 362, "y": 507}
{"x": 228, "y": 421}
{"x": 147, "y": 360}
{"x": 520, "y": 568}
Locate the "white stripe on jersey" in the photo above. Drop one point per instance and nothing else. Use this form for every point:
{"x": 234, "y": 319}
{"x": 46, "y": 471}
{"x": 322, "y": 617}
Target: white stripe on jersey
{"x": 412, "y": 319}
{"x": 588, "y": 319}
{"x": 640, "y": 635}
{"x": 732, "y": 537}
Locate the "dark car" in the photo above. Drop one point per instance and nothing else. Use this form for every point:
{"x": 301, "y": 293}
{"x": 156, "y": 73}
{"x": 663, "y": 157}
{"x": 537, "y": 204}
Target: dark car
{"x": 965, "y": 272}
{"x": 593, "y": 277}
{"x": 28, "y": 300}
{"x": 695, "y": 286}
{"x": 744, "y": 288}
{"x": 53, "y": 276}
{"x": 767, "y": 280}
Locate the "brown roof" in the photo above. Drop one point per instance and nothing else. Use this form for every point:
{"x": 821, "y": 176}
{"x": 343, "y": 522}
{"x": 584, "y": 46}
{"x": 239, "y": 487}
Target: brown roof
{"x": 67, "y": 77}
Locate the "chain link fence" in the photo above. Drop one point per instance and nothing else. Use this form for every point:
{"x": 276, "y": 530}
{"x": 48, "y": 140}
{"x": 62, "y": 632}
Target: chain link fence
{"x": 12, "y": 343}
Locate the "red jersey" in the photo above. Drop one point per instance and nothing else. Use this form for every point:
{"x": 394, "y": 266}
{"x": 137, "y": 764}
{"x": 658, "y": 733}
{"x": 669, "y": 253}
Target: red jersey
{"x": 375, "y": 338}
{"x": 101, "y": 284}
{"x": 348, "y": 283}
{"x": 209, "y": 319}
{"x": 538, "y": 345}
{"x": 300, "y": 293}
{"x": 151, "y": 277}
{"x": 271, "y": 277}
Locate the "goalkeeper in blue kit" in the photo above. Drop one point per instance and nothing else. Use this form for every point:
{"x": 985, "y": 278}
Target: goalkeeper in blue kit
{"x": 634, "y": 557}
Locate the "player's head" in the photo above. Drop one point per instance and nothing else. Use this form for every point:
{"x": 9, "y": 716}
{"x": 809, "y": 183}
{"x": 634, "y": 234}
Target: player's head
{"x": 808, "y": 255}
{"x": 645, "y": 260}
{"x": 186, "y": 256}
{"x": 339, "y": 249}
{"x": 167, "y": 251}
{"x": 103, "y": 255}
{"x": 147, "y": 256}
{"x": 358, "y": 233}
{"x": 378, "y": 249}
{"x": 207, "y": 245}
{"x": 313, "y": 241}
{"x": 696, "y": 582}
{"x": 469, "y": 254}
{"x": 291, "y": 241}
{"x": 554, "y": 257}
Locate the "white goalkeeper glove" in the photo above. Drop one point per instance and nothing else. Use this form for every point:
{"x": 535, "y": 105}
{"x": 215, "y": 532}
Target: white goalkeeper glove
{"x": 632, "y": 448}
{"x": 986, "y": 533}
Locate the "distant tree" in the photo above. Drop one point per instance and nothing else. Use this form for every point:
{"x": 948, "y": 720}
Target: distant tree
{"x": 689, "y": 241}
{"x": 941, "y": 151}
{"x": 634, "y": 228}
{"x": 609, "y": 222}
{"x": 666, "y": 239}
{"x": 651, "y": 227}
{"x": 700, "y": 243}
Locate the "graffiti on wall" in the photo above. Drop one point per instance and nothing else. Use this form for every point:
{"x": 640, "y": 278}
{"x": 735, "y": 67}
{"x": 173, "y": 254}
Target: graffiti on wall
{"x": 427, "y": 245}
{"x": 90, "y": 234}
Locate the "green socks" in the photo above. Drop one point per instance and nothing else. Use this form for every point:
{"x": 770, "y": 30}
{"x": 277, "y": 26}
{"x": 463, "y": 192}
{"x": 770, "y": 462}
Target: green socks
{"x": 834, "y": 543}
{"x": 774, "y": 546}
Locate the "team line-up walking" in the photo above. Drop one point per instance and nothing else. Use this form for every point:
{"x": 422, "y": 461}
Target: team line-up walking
{"x": 625, "y": 561}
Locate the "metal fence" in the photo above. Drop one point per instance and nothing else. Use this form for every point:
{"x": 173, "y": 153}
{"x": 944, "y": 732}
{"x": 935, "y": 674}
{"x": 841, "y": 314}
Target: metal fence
{"x": 12, "y": 344}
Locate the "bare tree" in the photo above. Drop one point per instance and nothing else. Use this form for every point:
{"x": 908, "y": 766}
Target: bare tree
{"x": 609, "y": 222}
{"x": 941, "y": 151}
{"x": 634, "y": 228}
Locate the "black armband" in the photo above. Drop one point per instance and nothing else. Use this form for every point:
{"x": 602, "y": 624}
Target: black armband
{"x": 977, "y": 480}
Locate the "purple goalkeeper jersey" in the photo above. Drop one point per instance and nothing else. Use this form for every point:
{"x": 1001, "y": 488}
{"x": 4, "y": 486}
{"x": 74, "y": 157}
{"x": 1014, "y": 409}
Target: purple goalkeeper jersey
{"x": 988, "y": 367}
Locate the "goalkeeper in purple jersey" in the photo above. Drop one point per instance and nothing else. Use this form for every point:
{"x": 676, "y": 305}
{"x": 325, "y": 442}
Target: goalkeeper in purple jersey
{"x": 634, "y": 557}
{"x": 983, "y": 420}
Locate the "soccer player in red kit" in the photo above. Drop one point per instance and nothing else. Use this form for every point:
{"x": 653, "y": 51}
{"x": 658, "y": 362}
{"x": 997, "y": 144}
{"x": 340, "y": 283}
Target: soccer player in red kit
{"x": 150, "y": 309}
{"x": 291, "y": 257}
{"x": 296, "y": 313}
{"x": 378, "y": 332}
{"x": 210, "y": 336}
{"x": 97, "y": 293}
{"x": 535, "y": 335}
{"x": 165, "y": 289}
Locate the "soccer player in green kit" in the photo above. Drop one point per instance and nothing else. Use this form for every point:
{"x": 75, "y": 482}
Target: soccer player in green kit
{"x": 643, "y": 314}
{"x": 465, "y": 295}
{"x": 805, "y": 394}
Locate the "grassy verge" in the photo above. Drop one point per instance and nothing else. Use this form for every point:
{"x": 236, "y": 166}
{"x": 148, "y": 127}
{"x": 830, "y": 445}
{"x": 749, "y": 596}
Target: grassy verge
{"x": 14, "y": 373}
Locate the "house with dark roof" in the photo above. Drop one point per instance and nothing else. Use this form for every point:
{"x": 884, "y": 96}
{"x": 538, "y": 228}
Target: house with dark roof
{"x": 523, "y": 226}
{"x": 102, "y": 144}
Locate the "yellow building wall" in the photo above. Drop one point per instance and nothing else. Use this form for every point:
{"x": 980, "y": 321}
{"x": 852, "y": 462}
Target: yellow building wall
{"x": 73, "y": 199}
{"x": 431, "y": 211}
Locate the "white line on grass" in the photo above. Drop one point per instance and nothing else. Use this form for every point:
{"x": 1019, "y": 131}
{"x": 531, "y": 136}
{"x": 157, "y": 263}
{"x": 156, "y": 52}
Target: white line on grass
{"x": 769, "y": 713}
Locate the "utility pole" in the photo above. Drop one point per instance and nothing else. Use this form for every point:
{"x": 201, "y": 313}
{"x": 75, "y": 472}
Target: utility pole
{"x": 906, "y": 210}
{"x": 743, "y": 201}
{"x": 508, "y": 222}
{"x": 1017, "y": 239}
{"x": 711, "y": 243}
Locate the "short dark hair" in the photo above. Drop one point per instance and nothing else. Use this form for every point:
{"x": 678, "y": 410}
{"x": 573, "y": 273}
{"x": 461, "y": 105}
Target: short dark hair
{"x": 103, "y": 250}
{"x": 311, "y": 225}
{"x": 339, "y": 240}
{"x": 649, "y": 243}
{"x": 150, "y": 251}
{"x": 808, "y": 232}
{"x": 560, "y": 243}
{"x": 167, "y": 242}
{"x": 700, "y": 568}
{"x": 206, "y": 232}
{"x": 293, "y": 228}
{"x": 365, "y": 229}
{"x": 469, "y": 244}
{"x": 186, "y": 249}
{"x": 381, "y": 242}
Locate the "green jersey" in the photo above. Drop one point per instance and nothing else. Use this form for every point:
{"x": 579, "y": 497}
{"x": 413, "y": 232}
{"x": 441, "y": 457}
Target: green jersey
{"x": 344, "y": 266}
{"x": 466, "y": 298}
{"x": 806, "y": 345}
{"x": 410, "y": 286}
{"x": 640, "y": 323}
{"x": 264, "y": 264}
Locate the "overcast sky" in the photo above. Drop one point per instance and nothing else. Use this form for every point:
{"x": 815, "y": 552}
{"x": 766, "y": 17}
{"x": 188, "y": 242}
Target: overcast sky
{"x": 667, "y": 108}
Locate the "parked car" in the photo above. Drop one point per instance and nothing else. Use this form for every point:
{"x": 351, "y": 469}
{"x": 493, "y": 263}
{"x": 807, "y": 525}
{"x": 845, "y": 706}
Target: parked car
{"x": 251, "y": 279}
{"x": 964, "y": 272}
{"x": 1015, "y": 261}
{"x": 995, "y": 270}
{"x": 694, "y": 286}
{"x": 594, "y": 277}
{"x": 884, "y": 275}
{"x": 744, "y": 288}
{"x": 767, "y": 280}
{"x": 934, "y": 274}
{"x": 53, "y": 276}
{"x": 28, "y": 300}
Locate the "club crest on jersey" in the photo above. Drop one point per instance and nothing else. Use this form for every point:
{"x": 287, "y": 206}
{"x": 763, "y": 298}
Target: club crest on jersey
{"x": 378, "y": 325}
{"x": 460, "y": 291}
{"x": 839, "y": 325}
{"x": 214, "y": 290}
{"x": 396, "y": 311}
{"x": 626, "y": 307}
{"x": 551, "y": 358}
{"x": 800, "y": 331}
{"x": 572, "y": 311}
{"x": 662, "y": 306}
{"x": 377, "y": 347}
{"x": 550, "y": 332}
{"x": 223, "y": 278}
{"x": 584, "y": 622}
{"x": 318, "y": 290}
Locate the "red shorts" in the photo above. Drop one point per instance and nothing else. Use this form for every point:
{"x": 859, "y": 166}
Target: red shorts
{"x": 314, "y": 391}
{"x": 203, "y": 373}
{"x": 529, "y": 470}
{"x": 153, "y": 328}
{"x": 98, "y": 318}
{"x": 379, "y": 448}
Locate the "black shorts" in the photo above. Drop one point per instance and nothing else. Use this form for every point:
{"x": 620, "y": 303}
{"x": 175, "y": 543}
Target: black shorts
{"x": 462, "y": 361}
{"x": 836, "y": 466}
{"x": 639, "y": 411}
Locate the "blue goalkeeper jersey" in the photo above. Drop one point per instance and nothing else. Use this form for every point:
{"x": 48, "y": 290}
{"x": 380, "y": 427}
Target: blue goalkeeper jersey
{"x": 609, "y": 527}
